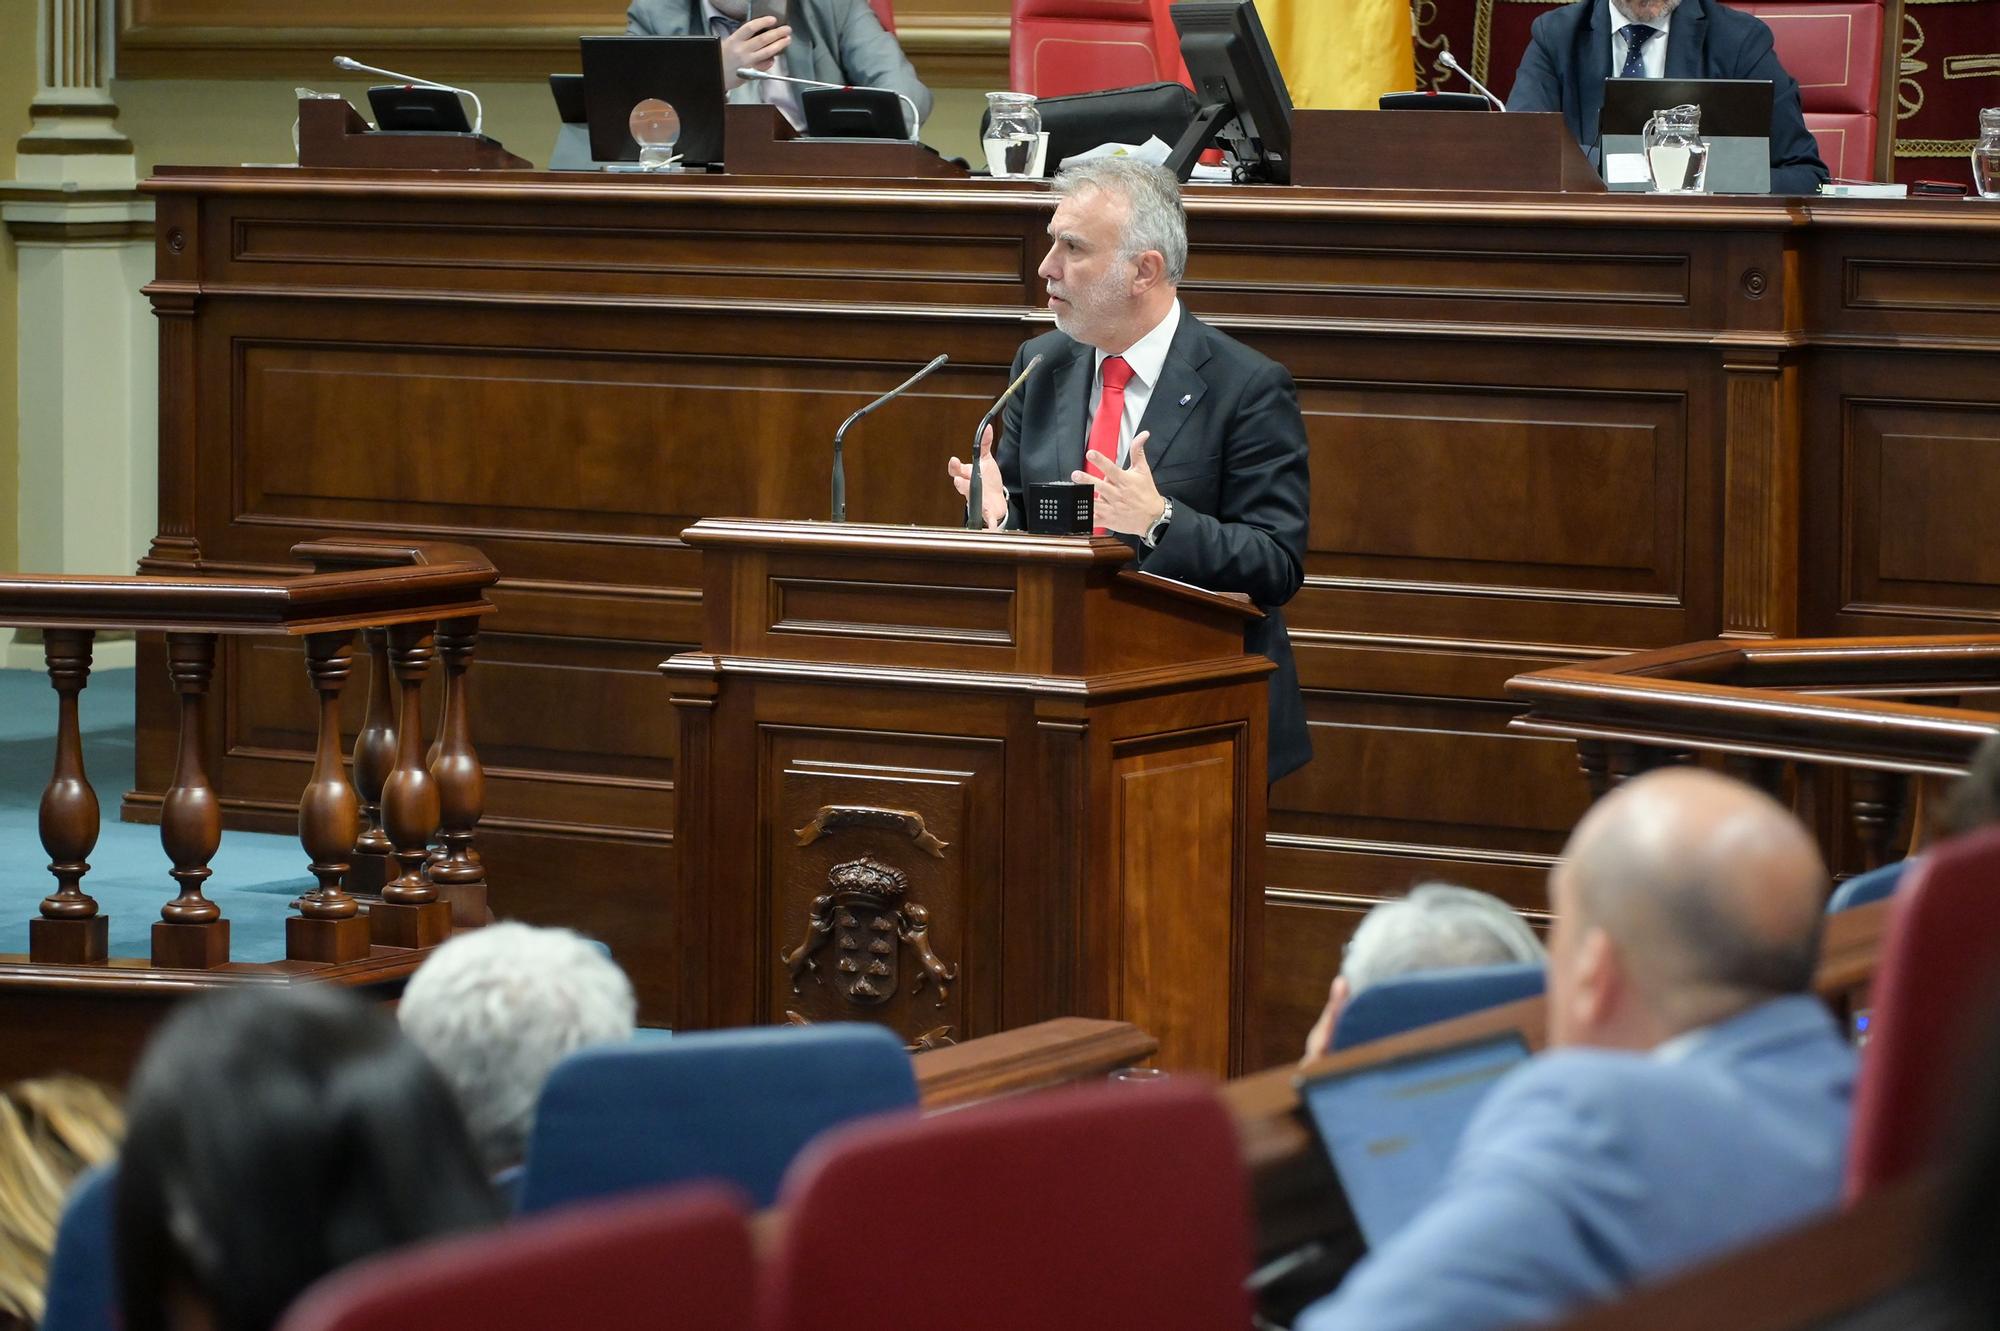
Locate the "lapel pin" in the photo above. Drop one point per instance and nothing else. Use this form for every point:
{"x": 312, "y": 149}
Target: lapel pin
{"x": 1186, "y": 398}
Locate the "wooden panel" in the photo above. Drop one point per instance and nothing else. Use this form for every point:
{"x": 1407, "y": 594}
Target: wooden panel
{"x": 450, "y": 254}
{"x": 1546, "y": 488}
{"x": 1176, "y": 868}
{"x": 1958, "y": 288}
{"x": 829, "y": 607}
{"x": 1905, "y": 469}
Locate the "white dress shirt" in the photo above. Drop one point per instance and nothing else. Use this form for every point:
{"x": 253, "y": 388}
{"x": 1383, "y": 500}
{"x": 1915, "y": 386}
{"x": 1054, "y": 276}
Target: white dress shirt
{"x": 784, "y": 96}
{"x": 1653, "y": 55}
{"x": 1147, "y": 357}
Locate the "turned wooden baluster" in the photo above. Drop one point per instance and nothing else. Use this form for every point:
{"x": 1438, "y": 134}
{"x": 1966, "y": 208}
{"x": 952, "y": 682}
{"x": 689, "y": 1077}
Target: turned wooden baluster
{"x": 409, "y": 795}
{"x": 191, "y": 931}
{"x": 328, "y": 927}
{"x": 69, "y": 929}
{"x": 1875, "y": 804}
{"x": 1767, "y": 774}
{"x": 1592, "y": 759}
{"x": 1624, "y": 762}
{"x": 375, "y": 746}
{"x": 461, "y": 780}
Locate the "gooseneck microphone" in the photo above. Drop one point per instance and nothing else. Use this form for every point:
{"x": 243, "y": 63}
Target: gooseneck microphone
{"x": 1450, "y": 61}
{"x": 355, "y": 66}
{"x": 975, "y": 499}
{"x": 840, "y": 435}
{"x": 749, "y": 75}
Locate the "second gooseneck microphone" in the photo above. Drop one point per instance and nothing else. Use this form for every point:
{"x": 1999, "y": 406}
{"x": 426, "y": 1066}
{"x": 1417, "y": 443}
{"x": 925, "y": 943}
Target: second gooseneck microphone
{"x": 840, "y": 435}
{"x": 1450, "y": 62}
{"x": 975, "y": 499}
{"x": 355, "y": 66}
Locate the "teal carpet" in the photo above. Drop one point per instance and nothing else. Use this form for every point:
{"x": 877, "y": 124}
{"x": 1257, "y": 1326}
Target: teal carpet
{"x": 256, "y": 875}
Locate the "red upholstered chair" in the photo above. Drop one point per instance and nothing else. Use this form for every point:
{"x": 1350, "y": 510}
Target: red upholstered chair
{"x": 678, "y": 1257}
{"x": 1932, "y": 1000}
{"x": 1837, "y": 51}
{"x": 1060, "y": 47}
{"x": 1110, "y": 1207}
{"x": 886, "y": 11}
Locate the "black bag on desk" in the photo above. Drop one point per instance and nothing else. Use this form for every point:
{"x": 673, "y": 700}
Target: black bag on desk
{"x": 1083, "y": 120}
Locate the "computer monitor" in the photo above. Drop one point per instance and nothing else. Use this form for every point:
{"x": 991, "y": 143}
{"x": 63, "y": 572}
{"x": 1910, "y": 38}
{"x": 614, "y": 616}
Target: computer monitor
{"x": 684, "y": 72}
{"x": 1239, "y": 90}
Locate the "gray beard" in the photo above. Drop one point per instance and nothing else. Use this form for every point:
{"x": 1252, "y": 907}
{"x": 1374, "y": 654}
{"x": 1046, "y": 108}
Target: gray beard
{"x": 1624, "y": 8}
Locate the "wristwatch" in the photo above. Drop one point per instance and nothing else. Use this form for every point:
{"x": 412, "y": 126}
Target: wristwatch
{"x": 1159, "y": 527}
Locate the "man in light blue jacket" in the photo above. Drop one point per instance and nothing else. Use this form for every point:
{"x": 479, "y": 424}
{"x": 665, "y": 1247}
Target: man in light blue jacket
{"x": 1696, "y": 1095}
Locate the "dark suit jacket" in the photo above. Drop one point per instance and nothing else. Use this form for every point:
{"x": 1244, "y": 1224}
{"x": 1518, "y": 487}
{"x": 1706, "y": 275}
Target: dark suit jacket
{"x": 1233, "y": 460}
{"x": 1569, "y": 57}
{"x": 834, "y": 41}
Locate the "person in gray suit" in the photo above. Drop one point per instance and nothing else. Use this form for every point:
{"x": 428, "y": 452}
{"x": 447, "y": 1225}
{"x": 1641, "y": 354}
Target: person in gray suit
{"x": 833, "y": 41}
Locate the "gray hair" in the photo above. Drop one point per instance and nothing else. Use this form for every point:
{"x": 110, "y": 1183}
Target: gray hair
{"x": 1437, "y": 927}
{"x": 1155, "y": 220}
{"x": 495, "y": 1009}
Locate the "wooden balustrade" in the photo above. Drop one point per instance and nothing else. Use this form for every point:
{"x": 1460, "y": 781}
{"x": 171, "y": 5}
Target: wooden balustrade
{"x": 1859, "y": 734}
{"x": 411, "y": 601}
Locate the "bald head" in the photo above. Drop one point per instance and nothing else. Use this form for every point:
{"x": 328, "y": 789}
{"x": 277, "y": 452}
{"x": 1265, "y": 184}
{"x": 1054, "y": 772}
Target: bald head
{"x": 1708, "y": 891}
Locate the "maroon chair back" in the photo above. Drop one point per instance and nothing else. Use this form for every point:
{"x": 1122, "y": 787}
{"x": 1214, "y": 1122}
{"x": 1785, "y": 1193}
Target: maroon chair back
{"x": 1107, "y": 1207}
{"x": 1931, "y": 1002}
{"x": 886, "y": 11}
{"x": 1836, "y": 52}
{"x": 678, "y": 1257}
{"x": 1059, "y": 47}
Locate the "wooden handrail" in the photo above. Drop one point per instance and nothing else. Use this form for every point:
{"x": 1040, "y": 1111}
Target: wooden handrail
{"x": 1029, "y": 1058}
{"x": 1838, "y": 712}
{"x": 1833, "y": 700}
{"x": 414, "y": 600}
{"x": 425, "y": 582}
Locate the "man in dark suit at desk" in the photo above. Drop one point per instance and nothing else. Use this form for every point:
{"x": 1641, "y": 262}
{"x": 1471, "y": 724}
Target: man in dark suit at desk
{"x": 832, "y": 41}
{"x": 1575, "y": 48}
{"x": 1193, "y": 441}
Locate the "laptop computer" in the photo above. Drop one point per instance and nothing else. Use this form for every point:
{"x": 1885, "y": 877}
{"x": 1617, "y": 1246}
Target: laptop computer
{"x": 1390, "y": 1129}
{"x": 1735, "y": 120}
{"x": 684, "y": 72}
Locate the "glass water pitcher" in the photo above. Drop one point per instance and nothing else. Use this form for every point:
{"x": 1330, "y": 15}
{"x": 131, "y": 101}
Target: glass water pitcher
{"x": 1676, "y": 154}
{"x": 1986, "y": 155}
{"x": 1013, "y": 137}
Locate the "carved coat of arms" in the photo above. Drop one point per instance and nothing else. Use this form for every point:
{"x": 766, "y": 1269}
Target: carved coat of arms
{"x": 867, "y": 921}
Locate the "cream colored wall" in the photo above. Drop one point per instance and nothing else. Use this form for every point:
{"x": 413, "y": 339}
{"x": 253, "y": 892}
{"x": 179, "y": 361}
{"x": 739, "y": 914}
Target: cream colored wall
{"x": 17, "y": 90}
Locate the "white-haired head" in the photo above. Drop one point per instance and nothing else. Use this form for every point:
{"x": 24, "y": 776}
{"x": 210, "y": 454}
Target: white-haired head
{"x": 1437, "y": 927}
{"x": 1155, "y": 218}
{"x": 496, "y": 1008}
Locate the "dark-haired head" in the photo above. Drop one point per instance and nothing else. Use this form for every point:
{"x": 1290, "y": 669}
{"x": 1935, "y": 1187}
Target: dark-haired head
{"x": 275, "y": 1136}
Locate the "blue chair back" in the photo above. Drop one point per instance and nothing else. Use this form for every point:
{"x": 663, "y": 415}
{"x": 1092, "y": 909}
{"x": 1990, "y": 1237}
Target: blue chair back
{"x": 734, "y": 1105}
{"x": 1865, "y": 888}
{"x": 1405, "y": 1002}
{"x": 83, "y": 1278}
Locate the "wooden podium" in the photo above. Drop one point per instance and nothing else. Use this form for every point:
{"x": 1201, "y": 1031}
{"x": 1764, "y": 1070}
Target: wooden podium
{"x": 957, "y": 782}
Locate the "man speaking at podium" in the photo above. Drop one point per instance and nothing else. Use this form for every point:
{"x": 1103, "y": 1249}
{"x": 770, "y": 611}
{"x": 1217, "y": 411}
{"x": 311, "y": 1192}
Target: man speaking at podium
{"x": 1575, "y": 48}
{"x": 833, "y": 41}
{"x": 1193, "y": 441}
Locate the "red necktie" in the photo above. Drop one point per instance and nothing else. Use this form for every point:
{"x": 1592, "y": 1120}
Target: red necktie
{"x": 1110, "y": 418}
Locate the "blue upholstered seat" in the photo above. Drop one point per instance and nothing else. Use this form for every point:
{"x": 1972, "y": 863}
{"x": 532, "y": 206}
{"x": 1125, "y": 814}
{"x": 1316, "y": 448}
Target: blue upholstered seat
{"x": 83, "y": 1281}
{"x": 1405, "y": 1002}
{"x": 1864, "y": 888}
{"x": 734, "y": 1105}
